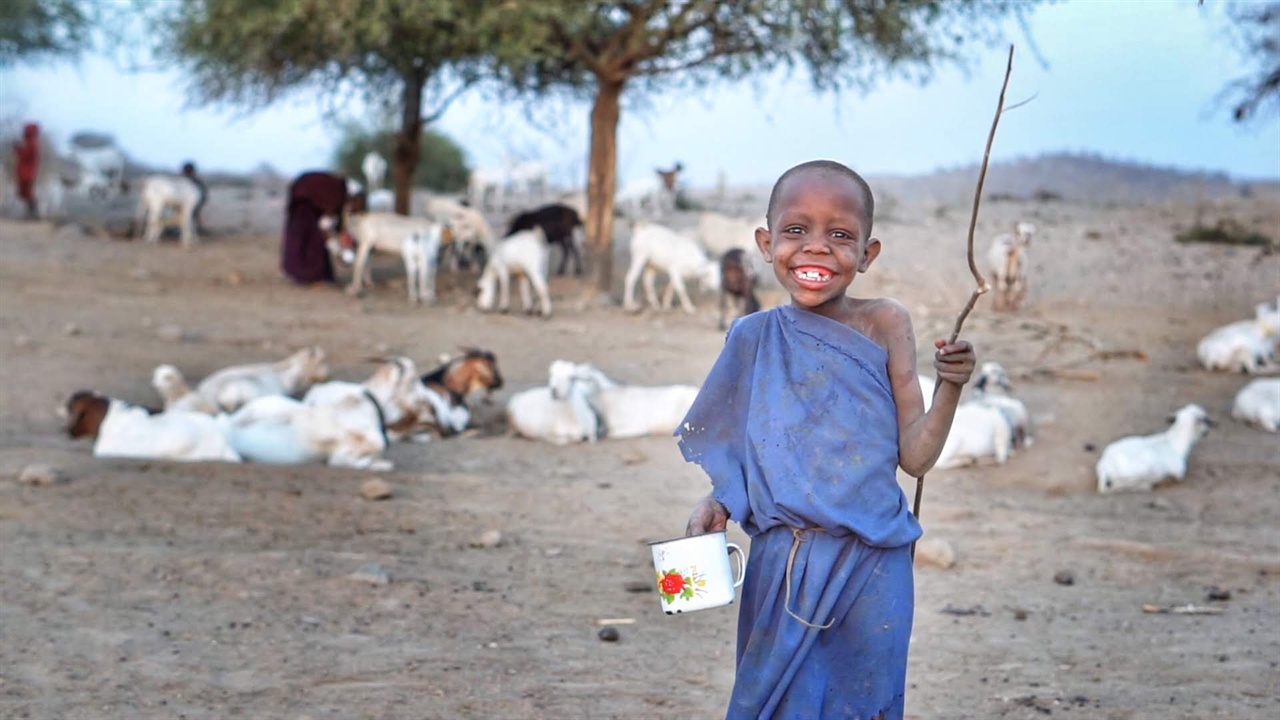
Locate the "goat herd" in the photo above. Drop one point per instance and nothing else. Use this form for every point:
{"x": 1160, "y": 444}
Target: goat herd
{"x": 288, "y": 412}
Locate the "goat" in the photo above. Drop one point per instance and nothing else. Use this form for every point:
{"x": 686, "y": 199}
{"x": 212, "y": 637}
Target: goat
{"x": 1007, "y": 263}
{"x": 656, "y": 192}
{"x": 484, "y": 182}
{"x": 375, "y": 169}
{"x": 992, "y": 389}
{"x": 557, "y": 415}
{"x": 472, "y": 236}
{"x": 416, "y": 240}
{"x": 1247, "y": 346}
{"x": 232, "y": 387}
{"x": 524, "y": 254}
{"x": 130, "y": 431}
{"x": 927, "y": 387}
{"x": 1258, "y": 403}
{"x": 1140, "y": 462}
{"x": 282, "y": 431}
{"x": 451, "y": 384}
{"x": 720, "y": 233}
{"x": 978, "y": 431}
{"x": 380, "y": 200}
{"x": 655, "y": 247}
{"x": 560, "y": 224}
{"x": 161, "y": 193}
{"x": 626, "y": 411}
{"x": 101, "y": 170}
{"x": 737, "y": 280}
{"x": 402, "y": 399}
{"x": 175, "y": 392}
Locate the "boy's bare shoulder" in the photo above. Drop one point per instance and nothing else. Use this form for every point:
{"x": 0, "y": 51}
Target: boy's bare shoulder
{"x": 887, "y": 315}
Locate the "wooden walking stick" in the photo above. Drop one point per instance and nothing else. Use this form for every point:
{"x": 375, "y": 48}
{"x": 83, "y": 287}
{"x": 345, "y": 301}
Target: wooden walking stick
{"x": 982, "y": 286}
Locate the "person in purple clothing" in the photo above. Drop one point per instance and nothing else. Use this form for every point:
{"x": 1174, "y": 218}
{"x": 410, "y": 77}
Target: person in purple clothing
{"x": 801, "y": 426}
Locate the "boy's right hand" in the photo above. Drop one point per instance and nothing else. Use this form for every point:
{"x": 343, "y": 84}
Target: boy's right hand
{"x": 707, "y": 516}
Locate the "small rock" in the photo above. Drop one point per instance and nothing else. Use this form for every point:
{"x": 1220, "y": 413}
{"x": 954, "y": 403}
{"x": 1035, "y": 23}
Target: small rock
{"x": 488, "y": 540}
{"x": 638, "y": 586}
{"x": 609, "y": 633}
{"x": 1021, "y": 614}
{"x": 375, "y": 489}
{"x": 373, "y": 573}
{"x": 235, "y": 279}
{"x": 171, "y": 333}
{"x": 937, "y": 552}
{"x": 1218, "y": 594}
{"x": 71, "y": 329}
{"x": 1064, "y": 577}
{"x": 41, "y": 474}
{"x": 1090, "y": 447}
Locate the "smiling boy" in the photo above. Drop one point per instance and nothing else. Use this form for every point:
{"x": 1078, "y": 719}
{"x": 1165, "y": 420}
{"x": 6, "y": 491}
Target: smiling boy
{"x": 801, "y": 426}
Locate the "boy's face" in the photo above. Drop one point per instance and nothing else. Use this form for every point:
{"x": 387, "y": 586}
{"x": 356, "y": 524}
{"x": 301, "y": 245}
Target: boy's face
{"x": 815, "y": 241}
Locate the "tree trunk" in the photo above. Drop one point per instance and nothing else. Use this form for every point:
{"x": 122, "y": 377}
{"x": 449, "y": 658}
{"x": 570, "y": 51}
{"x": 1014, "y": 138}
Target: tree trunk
{"x": 404, "y": 159}
{"x": 601, "y": 181}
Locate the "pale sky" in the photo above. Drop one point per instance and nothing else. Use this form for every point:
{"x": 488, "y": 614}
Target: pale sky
{"x": 1132, "y": 79}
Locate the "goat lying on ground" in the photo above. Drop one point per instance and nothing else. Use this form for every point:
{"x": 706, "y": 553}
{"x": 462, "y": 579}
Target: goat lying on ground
{"x": 523, "y": 254}
{"x": 1007, "y": 263}
{"x": 416, "y": 240}
{"x": 978, "y": 432}
{"x": 653, "y": 248}
{"x": 1247, "y": 346}
{"x": 560, "y": 224}
{"x": 451, "y": 384}
{"x": 282, "y": 431}
{"x": 160, "y": 194}
{"x": 177, "y": 395}
{"x": 992, "y": 388}
{"x": 130, "y": 431}
{"x": 231, "y": 387}
{"x": 626, "y": 411}
{"x": 1140, "y": 462}
{"x": 402, "y": 398}
{"x": 1258, "y": 403}
{"x": 739, "y": 282}
{"x": 558, "y": 416}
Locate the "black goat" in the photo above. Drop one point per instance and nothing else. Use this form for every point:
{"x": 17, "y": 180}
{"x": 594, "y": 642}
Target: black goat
{"x": 737, "y": 280}
{"x": 558, "y": 222}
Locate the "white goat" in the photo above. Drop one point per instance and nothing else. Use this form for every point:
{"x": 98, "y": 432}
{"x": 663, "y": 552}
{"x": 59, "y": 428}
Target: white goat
{"x": 380, "y": 200}
{"x": 402, "y": 398}
{"x": 468, "y": 225}
{"x": 101, "y": 170}
{"x": 231, "y": 387}
{"x": 1139, "y": 462}
{"x": 161, "y": 193}
{"x": 1247, "y": 346}
{"x": 374, "y": 167}
{"x": 927, "y": 387}
{"x": 655, "y": 247}
{"x": 978, "y": 432}
{"x": 1258, "y": 403}
{"x": 646, "y": 192}
{"x": 177, "y": 395}
{"x": 721, "y": 233}
{"x": 626, "y": 411}
{"x": 526, "y": 254}
{"x": 1007, "y": 263}
{"x": 129, "y": 431}
{"x": 992, "y": 389}
{"x": 282, "y": 431}
{"x": 540, "y": 414}
{"x": 416, "y": 240}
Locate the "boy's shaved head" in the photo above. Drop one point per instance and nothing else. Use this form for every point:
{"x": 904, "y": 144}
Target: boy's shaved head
{"x": 825, "y": 166}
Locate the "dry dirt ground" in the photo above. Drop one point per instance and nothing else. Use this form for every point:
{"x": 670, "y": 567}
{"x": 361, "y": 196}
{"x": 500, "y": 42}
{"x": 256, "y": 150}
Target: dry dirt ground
{"x": 163, "y": 590}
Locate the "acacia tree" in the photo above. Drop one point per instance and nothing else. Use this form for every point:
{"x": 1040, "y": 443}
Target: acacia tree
{"x": 33, "y": 30}
{"x": 601, "y": 49}
{"x": 1256, "y": 30}
{"x": 415, "y": 56}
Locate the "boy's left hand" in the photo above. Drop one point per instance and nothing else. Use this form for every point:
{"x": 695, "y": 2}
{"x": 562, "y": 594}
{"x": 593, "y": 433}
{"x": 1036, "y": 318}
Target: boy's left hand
{"x": 955, "y": 362}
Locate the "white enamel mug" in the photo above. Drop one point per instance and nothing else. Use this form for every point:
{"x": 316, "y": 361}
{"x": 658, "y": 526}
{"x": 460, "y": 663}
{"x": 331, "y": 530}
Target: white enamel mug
{"x": 694, "y": 574}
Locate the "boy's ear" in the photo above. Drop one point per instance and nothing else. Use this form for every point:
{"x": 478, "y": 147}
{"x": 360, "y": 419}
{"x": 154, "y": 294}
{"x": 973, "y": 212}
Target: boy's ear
{"x": 869, "y": 254}
{"x": 764, "y": 241}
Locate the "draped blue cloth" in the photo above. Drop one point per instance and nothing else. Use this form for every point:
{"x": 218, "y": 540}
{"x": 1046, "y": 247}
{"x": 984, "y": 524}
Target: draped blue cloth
{"x": 797, "y": 428}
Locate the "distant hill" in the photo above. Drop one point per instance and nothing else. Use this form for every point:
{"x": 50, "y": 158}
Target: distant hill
{"x": 1083, "y": 178}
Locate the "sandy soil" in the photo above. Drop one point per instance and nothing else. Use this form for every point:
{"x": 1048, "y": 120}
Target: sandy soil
{"x": 161, "y": 590}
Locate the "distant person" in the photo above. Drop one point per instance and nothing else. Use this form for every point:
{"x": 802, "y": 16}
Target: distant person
{"x": 27, "y": 153}
{"x": 801, "y": 425}
{"x": 189, "y": 172}
{"x": 304, "y": 255}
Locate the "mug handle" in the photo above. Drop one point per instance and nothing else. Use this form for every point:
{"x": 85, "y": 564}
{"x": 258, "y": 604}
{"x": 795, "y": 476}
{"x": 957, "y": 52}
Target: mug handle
{"x": 742, "y": 563}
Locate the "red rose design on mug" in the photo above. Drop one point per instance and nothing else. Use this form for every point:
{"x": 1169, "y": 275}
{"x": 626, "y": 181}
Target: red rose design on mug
{"x": 672, "y": 583}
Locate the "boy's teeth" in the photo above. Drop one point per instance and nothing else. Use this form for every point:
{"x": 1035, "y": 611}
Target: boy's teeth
{"x": 810, "y": 275}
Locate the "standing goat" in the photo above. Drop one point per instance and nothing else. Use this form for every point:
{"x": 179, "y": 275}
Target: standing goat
{"x": 160, "y": 194}
{"x": 417, "y": 240}
{"x": 1007, "y": 262}
{"x": 523, "y": 254}
{"x": 654, "y": 248}
{"x": 560, "y": 223}
{"x": 737, "y": 280}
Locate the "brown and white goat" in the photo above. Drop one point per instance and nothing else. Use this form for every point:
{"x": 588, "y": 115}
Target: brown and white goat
{"x": 1007, "y": 261}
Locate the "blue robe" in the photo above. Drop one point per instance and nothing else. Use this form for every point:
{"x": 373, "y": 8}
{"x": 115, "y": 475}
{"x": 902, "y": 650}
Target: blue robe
{"x": 796, "y": 426}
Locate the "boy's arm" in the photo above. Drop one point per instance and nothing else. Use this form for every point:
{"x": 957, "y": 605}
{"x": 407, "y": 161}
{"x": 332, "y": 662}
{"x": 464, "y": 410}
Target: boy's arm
{"x": 921, "y": 435}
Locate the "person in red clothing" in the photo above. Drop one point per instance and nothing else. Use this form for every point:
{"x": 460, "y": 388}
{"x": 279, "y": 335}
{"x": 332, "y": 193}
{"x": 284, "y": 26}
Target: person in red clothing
{"x": 28, "y": 155}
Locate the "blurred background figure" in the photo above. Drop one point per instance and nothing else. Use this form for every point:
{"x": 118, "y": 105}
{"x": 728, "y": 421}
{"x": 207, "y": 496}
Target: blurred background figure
{"x": 27, "y": 152}
{"x": 304, "y": 255}
{"x": 189, "y": 172}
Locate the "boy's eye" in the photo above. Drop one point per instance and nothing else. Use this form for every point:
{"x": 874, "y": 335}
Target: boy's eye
{"x": 793, "y": 229}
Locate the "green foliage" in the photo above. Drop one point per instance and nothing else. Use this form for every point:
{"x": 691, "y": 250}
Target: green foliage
{"x": 442, "y": 167}
{"x": 34, "y": 30}
{"x": 1227, "y": 232}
